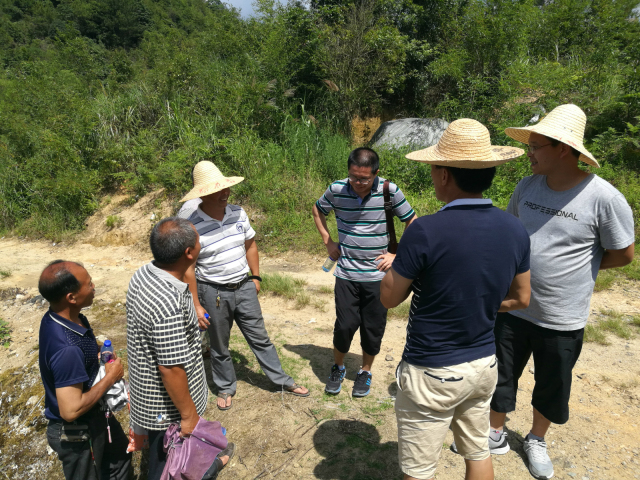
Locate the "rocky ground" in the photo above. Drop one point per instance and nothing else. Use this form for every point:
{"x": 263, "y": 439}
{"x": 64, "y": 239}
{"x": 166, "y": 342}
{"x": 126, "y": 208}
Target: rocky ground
{"x": 321, "y": 436}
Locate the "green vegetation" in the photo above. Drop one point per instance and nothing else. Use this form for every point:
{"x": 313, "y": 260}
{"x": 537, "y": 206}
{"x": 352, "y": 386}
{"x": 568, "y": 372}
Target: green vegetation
{"x": 113, "y": 221}
{"x": 4, "y": 273}
{"x": 287, "y": 287}
{"x": 99, "y": 96}
{"x": 5, "y": 333}
{"x": 613, "y": 323}
{"x": 401, "y": 311}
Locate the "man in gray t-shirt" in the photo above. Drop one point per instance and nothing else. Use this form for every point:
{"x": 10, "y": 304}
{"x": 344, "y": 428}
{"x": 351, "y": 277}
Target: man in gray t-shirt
{"x": 578, "y": 224}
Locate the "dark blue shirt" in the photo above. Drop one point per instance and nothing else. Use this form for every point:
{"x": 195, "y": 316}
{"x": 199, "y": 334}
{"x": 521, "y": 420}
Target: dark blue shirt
{"x": 68, "y": 355}
{"x": 462, "y": 261}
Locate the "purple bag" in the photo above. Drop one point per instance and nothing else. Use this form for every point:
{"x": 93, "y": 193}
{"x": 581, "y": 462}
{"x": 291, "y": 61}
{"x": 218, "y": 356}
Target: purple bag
{"x": 193, "y": 457}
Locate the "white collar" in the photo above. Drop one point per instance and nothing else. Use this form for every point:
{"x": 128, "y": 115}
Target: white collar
{"x": 207, "y": 218}
{"x": 468, "y": 201}
{"x": 158, "y": 272}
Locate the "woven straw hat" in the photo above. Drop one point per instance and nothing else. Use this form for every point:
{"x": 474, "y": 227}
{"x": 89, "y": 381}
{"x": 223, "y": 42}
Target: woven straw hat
{"x": 466, "y": 144}
{"x": 208, "y": 179}
{"x": 565, "y": 123}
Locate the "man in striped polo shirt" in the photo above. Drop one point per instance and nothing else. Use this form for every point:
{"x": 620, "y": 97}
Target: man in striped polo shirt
{"x": 221, "y": 285}
{"x": 363, "y": 260}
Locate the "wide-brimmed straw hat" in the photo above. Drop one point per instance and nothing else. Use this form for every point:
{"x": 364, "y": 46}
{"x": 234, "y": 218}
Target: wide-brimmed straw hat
{"x": 208, "y": 179}
{"x": 466, "y": 144}
{"x": 566, "y": 124}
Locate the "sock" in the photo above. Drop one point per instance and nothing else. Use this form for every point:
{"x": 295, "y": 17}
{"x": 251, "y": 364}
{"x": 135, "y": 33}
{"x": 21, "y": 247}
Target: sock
{"x": 361, "y": 370}
{"x": 534, "y": 437}
{"x": 341, "y": 367}
{"x": 495, "y": 434}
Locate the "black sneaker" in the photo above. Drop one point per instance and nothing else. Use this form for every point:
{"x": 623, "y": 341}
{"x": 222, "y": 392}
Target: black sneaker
{"x": 362, "y": 385}
{"x": 334, "y": 385}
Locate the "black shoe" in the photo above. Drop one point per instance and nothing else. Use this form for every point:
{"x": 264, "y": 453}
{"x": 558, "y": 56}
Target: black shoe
{"x": 362, "y": 385}
{"x": 334, "y": 385}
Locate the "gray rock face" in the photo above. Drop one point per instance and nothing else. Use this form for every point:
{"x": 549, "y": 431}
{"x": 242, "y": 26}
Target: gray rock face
{"x": 409, "y": 132}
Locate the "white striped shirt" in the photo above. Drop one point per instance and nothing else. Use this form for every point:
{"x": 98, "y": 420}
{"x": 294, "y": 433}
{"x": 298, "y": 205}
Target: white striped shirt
{"x": 162, "y": 329}
{"x": 223, "y": 258}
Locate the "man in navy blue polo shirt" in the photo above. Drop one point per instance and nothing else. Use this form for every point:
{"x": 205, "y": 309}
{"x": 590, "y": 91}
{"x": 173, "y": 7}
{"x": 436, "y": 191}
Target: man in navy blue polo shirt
{"x": 69, "y": 363}
{"x": 463, "y": 264}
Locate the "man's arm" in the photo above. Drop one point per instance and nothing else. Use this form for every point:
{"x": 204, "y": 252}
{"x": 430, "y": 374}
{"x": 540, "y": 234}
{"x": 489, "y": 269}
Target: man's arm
{"x": 410, "y": 221}
{"x": 190, "y": 277}
{"x": 519, "y": 293}
{"x": 72, "y": 403}
{"x": 617, "y": 258}
{"x": 394, "y": 289}
{"x": 321, "y": 224}
{"x": 253, "y": 260}
{"x": 174, "y": 378}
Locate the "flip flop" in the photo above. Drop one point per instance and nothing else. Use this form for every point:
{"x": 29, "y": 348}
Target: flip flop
{"x": 217, "y": 465}
{"x": 290, "y": 389}
{"x": 224, "y": 396}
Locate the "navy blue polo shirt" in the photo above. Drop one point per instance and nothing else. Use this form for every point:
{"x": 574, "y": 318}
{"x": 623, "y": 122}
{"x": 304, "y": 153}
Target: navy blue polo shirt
{"x": 462, "y": 261}
{"x": 68, "y": 355}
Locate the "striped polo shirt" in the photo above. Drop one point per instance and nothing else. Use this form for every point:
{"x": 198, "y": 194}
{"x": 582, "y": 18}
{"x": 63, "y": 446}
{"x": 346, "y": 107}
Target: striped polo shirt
{"x": 162, "y": 329}
{"x": 222, "y": 258}
{"x": 362, "y": 227}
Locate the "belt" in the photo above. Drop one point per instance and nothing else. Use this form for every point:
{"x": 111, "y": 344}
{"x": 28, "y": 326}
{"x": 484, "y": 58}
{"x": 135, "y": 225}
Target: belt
{"x": 231, "y": 286}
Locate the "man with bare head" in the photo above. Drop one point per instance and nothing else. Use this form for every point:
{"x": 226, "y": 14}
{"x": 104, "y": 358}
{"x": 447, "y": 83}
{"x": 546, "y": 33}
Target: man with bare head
{"x": 69, "y": 363}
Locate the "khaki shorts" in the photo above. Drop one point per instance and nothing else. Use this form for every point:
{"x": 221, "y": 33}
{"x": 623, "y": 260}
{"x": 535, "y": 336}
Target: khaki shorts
{"x": 430, "y": 400}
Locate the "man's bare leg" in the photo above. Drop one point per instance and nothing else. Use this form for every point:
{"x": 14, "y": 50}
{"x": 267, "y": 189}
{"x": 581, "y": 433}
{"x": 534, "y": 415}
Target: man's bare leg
{"x": 367, "y": 361}
{"x": 338, "y": 356}
{"x": 540, "y": 424}
{"x": 497, "y": 419}
{"x": 476, "y": 470}
{"x": 479, "y": 469}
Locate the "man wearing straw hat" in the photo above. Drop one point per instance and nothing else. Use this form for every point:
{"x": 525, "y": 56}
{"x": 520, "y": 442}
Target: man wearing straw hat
{"x": 463, "y": 264}
{"x": 578, "y": 224}
{"x": 222, "y": 287}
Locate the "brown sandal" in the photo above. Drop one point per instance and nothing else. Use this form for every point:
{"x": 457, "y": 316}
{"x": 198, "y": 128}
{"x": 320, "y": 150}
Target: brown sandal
{"x": 224, "y": 396}
{"x": 290, "y": 389}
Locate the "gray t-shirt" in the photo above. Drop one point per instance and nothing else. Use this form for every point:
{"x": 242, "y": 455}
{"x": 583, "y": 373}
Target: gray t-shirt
{"x": 569, "y": 231}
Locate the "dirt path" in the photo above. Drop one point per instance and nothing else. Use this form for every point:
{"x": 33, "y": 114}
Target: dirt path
{"x": 321, "y": 436}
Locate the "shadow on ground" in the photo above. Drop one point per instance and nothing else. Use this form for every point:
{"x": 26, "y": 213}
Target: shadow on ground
{"x": 321, "y": 360}
{"x": 352, "y": 451}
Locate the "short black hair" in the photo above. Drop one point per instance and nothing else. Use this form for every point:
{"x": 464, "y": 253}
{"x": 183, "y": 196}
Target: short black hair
{"x": 555, "y": 143}
{"x": 364, "y": 157}
{"x": 469, "y": 180}
{"x": 170, "y": 238}
{"x": 55, "y": 286}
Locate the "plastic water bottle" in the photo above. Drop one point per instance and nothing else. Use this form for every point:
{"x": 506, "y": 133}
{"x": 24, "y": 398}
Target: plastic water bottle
{"x": 207, "y": 317}
{"x": 106, "y": 352}
{"x": 329, "y": 263}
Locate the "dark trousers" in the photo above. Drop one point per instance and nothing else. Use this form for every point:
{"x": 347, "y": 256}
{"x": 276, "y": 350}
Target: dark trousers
{"x": 111, "y": 460}
{"x": 157, "y": 457}
{"x": 358, "y": 307}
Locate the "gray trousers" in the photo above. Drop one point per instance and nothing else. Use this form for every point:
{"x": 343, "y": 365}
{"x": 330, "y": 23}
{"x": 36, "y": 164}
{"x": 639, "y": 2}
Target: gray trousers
{"x": 242, "y": 306}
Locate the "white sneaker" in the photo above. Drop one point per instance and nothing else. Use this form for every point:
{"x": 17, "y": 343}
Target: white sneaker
{"x": 540, "y": 465}
{"x": 497, "y": 448}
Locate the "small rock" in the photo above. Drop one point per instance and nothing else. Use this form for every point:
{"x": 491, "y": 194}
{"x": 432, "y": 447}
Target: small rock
{"x": 313, "y": 320}
{"x": 49, "y": 450}
{"x": 30, "y": 330}
{"x": 153, "y": 216}
{"x": 532, "y": 370}
{"x": 389, "y": 358}
{"x": 32, "y": 400}
{"x": 19, "y": 296}
{"x": 101, "y": 338}
{"x": 585, "y": 478}
{"x": 571, "y": 474}
{"x": 612, "y": 432}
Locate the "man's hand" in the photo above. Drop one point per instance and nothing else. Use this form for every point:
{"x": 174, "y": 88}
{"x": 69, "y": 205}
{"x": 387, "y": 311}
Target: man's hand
{"x": 187, "y": 424}
{"x": 386, "y": 260}
{"x": 333, "y": 249}
{"x": 256, "y": 282}
{"x": 114, "y": 370}
{"x": 203, "y": 323}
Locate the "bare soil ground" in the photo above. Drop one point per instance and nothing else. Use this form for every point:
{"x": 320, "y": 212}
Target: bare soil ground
{"x": 279, "y": 435}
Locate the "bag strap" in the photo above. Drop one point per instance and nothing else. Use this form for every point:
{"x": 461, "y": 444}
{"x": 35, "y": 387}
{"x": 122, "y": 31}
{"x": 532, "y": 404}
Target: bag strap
{"x": 388, "y": 212}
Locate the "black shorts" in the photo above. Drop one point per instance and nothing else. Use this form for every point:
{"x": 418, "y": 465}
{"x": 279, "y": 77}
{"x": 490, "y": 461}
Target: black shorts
{"x": 358, "y": 306}
{"x": 555, "y": 353}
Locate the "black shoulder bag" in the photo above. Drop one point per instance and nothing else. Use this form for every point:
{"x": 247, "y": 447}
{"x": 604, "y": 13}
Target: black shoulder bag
{"x": 388, "y": 213}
